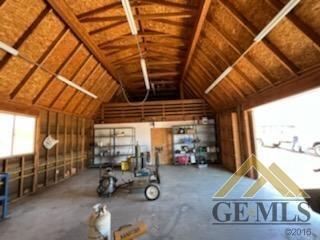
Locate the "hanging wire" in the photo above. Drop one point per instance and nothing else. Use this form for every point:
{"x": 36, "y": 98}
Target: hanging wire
{"x": 124, "y": 93}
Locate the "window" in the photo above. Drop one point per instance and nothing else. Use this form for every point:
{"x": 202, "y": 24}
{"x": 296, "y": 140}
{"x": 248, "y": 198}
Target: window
{"x": 17, "y": 134}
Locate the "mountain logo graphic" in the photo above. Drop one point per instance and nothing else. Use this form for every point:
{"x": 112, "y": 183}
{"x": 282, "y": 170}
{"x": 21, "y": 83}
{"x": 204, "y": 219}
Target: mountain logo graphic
{"x": 274, "y": 175}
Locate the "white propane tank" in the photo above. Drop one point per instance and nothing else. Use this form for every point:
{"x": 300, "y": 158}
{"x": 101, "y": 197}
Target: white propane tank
{"x": 100, "y": 223}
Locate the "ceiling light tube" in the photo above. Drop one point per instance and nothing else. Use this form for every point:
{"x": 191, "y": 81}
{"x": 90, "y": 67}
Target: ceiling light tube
{"x": 284, "y": 11}
{"x": 8, "y": 49}
{"x": 219, "y": 79}
{"x": 72, "y": 84}
{"x": 129, "y": 15}
{"x": 145, "y": 73}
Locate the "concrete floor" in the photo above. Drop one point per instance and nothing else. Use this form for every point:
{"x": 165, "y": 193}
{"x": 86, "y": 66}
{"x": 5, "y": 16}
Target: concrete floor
{"x": 182, "y": 212}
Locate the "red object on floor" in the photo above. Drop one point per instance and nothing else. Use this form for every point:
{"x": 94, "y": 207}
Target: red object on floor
{"x": 182, "y": 160}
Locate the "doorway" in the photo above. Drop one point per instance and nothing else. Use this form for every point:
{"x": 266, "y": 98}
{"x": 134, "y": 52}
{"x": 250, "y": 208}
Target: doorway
{"x": 287, "y": 133}
{"x": 162, "y": 138}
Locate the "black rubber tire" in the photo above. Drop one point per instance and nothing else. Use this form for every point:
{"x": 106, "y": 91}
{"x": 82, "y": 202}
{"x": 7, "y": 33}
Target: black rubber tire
{"x": 317, "y": 149}
{"x": 155, "y": 187}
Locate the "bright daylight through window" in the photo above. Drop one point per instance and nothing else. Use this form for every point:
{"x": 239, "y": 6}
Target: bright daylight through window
{"x": 17, "y": 134}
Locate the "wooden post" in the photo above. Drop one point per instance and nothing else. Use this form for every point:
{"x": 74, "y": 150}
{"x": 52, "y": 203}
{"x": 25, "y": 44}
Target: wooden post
{"x": 36, "y": 155}
{"x": 57, "y": 149}
{"x": 47, "y": 151}
{"x": 21, "y": 176}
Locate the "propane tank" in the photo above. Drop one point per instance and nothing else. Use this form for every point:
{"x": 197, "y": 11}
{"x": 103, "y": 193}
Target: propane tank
{"x": 100, "y": 223}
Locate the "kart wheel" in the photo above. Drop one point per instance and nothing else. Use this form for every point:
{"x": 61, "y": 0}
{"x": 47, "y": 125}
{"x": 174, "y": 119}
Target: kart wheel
{"x": 152, "y": 192}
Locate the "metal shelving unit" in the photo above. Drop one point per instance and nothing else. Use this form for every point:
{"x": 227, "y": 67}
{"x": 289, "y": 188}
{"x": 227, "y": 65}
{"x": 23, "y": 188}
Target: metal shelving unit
{"x": 196, "y": 142}
{"x": 113, "y": 145}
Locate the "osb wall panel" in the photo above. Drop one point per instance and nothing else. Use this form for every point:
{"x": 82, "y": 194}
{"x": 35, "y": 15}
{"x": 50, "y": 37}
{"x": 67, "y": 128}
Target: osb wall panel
{"x": 40, "y": 35}
{"x": 31, "y": 173}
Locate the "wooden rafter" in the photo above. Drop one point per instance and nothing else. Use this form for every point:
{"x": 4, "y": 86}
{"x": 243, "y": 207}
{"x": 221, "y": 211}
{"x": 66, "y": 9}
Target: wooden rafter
{"x": 171, "y": 5}
{"x": 107, "y": 8}
{"x": 185, "y": 14}
{"x": 107, "y": 28}
{"x": 73, "y": 77}
{"x": 227, "y": 63}
{"x": 305, "y": 29}
{"x": 91, "y": 73}
{"x": 230, "y": 81}
{"x": 25, "y": 35}
{"x": 209, "y": 74}
{"x": 55, "y": 43}
{"x": 288, "y": 64}
{"x": 203, "y": 10}
{"x": 101, "y": 89}
{"x": 58, "y": 71}
{"x": 263, "y": 73}
{"x": 92, "y": 89}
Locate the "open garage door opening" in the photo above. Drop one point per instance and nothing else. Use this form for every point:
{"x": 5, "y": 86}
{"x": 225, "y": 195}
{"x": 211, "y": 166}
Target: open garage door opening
{"x": 287, "y": 133}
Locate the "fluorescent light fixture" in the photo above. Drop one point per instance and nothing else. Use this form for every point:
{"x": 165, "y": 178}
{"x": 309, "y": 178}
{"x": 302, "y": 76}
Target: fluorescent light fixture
{"x": 128, "y": 12}
{"x": 145, "y": 73}
{"x": 219, "y": 79}
{"x": 9, "y": 49}
{"x": 72, "y": 84}
{"x": 284, "y": 11}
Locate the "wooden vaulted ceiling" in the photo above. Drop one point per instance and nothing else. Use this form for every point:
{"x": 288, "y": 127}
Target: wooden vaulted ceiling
{"x": 32, "y": 27}
{"x": 166, "y": 29}
{"x": 187, "y": 45}
{"x": 289, "y": 54}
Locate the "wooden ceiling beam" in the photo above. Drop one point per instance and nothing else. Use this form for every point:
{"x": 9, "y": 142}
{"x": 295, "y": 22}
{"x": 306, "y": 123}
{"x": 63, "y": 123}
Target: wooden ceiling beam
{"x": 91, "y": 110}
{"x": 156, "y": 75}
{"x": 89, "y": 75}
{"x": 45, "y": 55}
{"x": 107, "y": 28}
{"x": 161, "y": 63}
{"x": 171, "y": 22}
{"x": 205, "y": 70}
{"x": 227, "y": 63}
{"x": 64, "y": 11}
{"x": 203, "y": 11}
{"x": 172, "y": 5}
{"x": 288, "y": 64}
{"x": 73, "y": 77}
{"x": 185, "y": 14}
{"x": 302, "y": 27}
{"x": 100, "y": 93}
{"x": 108, "y": 7}
{"x": 307, "y": 81}
{"x": 82, "y": 95}
{"x": 63, "y": 66}
{"x": 219, "y": 71}
{"x": 148, "y": 33}
{"x": 25, "y": 35}
{"x": 210, "y": 97}
{"x": 263, "y": 73}
{"x": 92, "y": 89}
